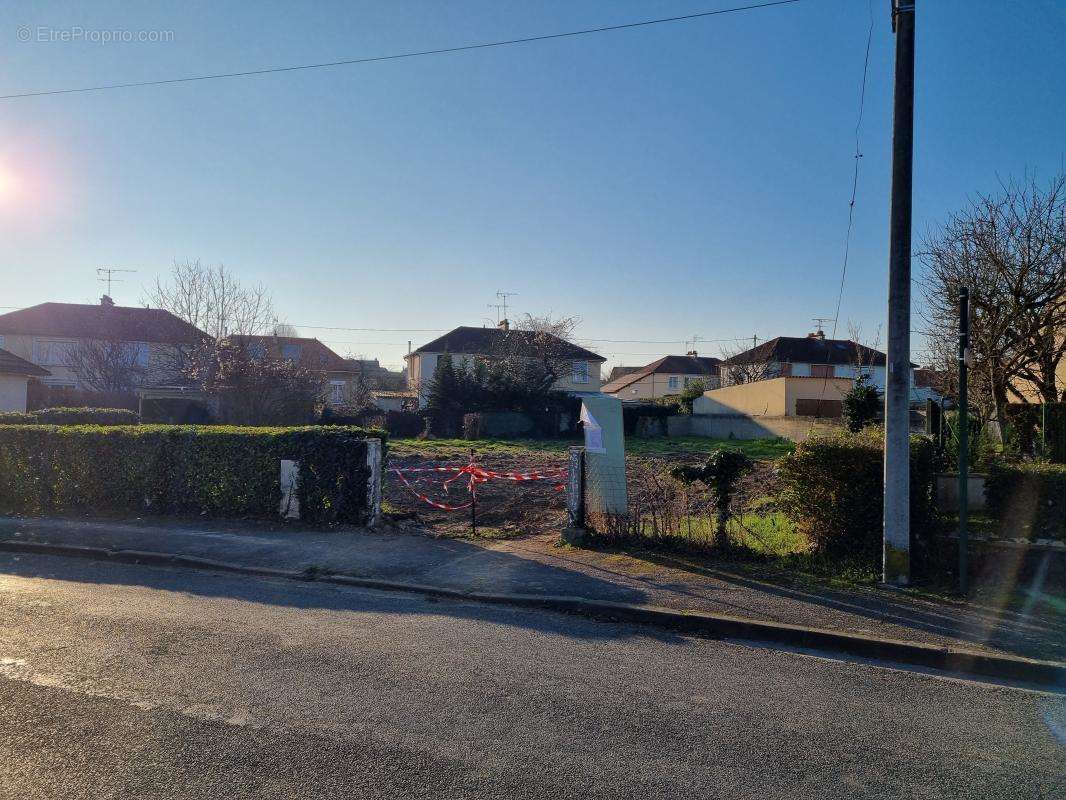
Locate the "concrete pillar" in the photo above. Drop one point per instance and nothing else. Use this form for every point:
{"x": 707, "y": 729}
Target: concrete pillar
{"x": 373, "y": 483}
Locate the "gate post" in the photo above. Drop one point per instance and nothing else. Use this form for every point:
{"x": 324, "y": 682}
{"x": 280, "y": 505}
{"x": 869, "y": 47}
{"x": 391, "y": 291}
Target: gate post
{"x": 373, "y": 481}
{"x": 575, "y": 496}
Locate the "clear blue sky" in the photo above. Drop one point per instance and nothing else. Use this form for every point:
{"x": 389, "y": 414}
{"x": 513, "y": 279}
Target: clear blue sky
{"x": 688, "y": 178}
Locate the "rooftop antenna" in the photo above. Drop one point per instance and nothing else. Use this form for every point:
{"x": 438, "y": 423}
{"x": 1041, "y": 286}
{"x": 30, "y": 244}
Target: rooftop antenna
{"x": 690, "y": 344}
{"x": 499, "y": 312}
{"x": 109, "y": 276}
{"x": 502, "y": 297}
{"x": 821, "y": 322}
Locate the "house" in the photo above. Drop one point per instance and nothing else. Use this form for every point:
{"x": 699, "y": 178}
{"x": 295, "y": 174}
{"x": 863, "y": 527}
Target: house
{"x": 812, "y": 356}
{"x": 51, "y": 335}
{"x": 347, "y": 377}
{"x": 15, "y": 374}
{"x": 669, "y": 375}
{"x": 582, "y": 375}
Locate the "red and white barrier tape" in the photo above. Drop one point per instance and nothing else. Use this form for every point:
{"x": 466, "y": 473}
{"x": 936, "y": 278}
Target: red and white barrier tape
{"x": 477, "y": 475}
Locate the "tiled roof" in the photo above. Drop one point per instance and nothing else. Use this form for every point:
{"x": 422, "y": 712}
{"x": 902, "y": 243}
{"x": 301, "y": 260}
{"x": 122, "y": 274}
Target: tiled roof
{"x": 312, "y": 353}
{"x": 486, "y": 341}
{"x": 11, "y": 364}
{"x": 117, "y": 323}
{"x": 809, "y": 350}
{"x": 668, "y": 365}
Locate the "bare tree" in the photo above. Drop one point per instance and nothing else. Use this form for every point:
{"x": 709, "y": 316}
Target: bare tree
{"x": 259, "y": 391}
{"x": 746, "y": 366}
{"x": 286, "y": 330}
{"x": 109, "y": 365}
{"x": 863, "y": 353}
{"x": 538, "y": 351}
{"x": 214, "y": 300}
{"x": 1010, "y": 250}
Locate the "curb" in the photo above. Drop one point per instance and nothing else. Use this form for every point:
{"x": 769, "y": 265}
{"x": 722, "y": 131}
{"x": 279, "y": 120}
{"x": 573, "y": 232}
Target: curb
{"x": 949, "y": 659}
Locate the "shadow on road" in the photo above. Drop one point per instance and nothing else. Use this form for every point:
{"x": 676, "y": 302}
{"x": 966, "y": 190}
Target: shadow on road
{"x": 309, "y": 595}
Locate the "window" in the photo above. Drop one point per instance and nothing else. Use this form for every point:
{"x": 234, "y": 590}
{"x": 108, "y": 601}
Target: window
{"x": 581, "y": 371}
{"x": 290, "y": 352}
{"x": 139, "y": 354}
{"x": 337, "y": 393}
{"x": 52, "y": 352}
{"x": 674, "y": 381}
{"x": 821, "y": 370}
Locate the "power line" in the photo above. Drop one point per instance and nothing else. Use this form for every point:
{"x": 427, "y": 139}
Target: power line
{"x": 396, "y": 56}
{"x": 855, "y": 175}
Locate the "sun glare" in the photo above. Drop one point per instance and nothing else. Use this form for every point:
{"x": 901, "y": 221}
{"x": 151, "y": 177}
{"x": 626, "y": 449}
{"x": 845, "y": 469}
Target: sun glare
{"x": 8, "y": 185}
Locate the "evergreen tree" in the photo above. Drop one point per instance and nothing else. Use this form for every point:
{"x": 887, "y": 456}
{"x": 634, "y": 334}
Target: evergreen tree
{"x": 443, "y": 409}
{"x": 861, "y": 404}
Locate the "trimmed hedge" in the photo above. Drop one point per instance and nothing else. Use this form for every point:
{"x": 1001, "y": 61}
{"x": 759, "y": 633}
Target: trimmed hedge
{"x": 71, "y": 416}
{"x": 164, "y": 469}
{"x": 1030, "y": 498}
{"x": 832, "y": 488}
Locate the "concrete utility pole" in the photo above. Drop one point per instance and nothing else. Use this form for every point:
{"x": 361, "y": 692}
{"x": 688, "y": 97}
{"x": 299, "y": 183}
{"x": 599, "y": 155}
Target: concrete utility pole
{"x": 897, "y": 542}
{"x": 964, "y": 435}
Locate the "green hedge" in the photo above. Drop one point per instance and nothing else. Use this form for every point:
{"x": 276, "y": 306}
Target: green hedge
{"x": 832, "y": 488}
{"x": 1028, "y": 499}
{"x": 71, "y": 416}
{"x": 1024, "y": 421}
{"x": 213, "y": 471}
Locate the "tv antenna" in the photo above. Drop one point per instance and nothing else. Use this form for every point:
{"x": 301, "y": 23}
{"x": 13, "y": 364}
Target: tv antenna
{"x": 820, "y": 322}
{"x": 501, "y": 307}
{"x": 109, "y": 276}
{"x": 690, "y": 344}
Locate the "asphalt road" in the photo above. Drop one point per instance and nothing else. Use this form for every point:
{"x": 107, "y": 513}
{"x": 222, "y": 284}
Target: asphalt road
{"x": 141, "y": 682}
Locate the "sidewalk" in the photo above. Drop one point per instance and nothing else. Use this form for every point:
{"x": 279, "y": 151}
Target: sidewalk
{"x": 537, "y": 566}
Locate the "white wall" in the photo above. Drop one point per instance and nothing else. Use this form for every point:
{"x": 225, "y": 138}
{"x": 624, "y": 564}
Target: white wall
{"x": 13, "y": 392}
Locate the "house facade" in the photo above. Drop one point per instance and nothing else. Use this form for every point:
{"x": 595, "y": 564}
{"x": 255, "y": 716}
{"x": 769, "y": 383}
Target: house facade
{"x": 668, "y": 376}
{"x": 812, "y": 356}
{"x": 582, "y": 375}
{"x": 50, "y": 334}
{"x": 15, "y": 374}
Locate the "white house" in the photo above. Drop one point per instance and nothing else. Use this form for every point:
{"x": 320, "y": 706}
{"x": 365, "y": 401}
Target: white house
{"x": 15, "y": 374}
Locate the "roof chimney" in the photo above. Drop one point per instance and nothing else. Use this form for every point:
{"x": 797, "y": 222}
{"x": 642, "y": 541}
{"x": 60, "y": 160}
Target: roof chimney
{"x": 818, "y": 334}
{"x": 504, "y": 325}
{"x": 692, "y": 353}
{"x": 106, "y": 301}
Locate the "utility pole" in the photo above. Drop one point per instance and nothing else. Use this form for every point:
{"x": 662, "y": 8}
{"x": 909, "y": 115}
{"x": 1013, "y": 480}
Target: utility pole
{"x": 964, "y": 436}
{"x": 897, "y": 533}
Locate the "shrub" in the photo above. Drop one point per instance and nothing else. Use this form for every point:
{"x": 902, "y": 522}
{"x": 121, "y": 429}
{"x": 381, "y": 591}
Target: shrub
{"x": 71, "y": 416}
{"x": 214, "y": 471}
{"x": 176, "y": 411}
{"x": 404, "y": 424}
{"x": 1030, "y": 498}
{"x": 18, "y": 418}
{"x": 832, "y": 488}
{"x": 721, "y": 473}
{"x": 1024, "y": 421}
{"x": 861, "y": 404}
{"x": 87, "y": 416}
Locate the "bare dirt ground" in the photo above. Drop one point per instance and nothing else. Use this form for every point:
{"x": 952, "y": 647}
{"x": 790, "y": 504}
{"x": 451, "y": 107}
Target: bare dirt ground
{"x": 505, "y": 509}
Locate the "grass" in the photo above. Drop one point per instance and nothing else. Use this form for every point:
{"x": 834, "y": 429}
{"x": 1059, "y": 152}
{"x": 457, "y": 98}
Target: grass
{"x": 756, "y": 449}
